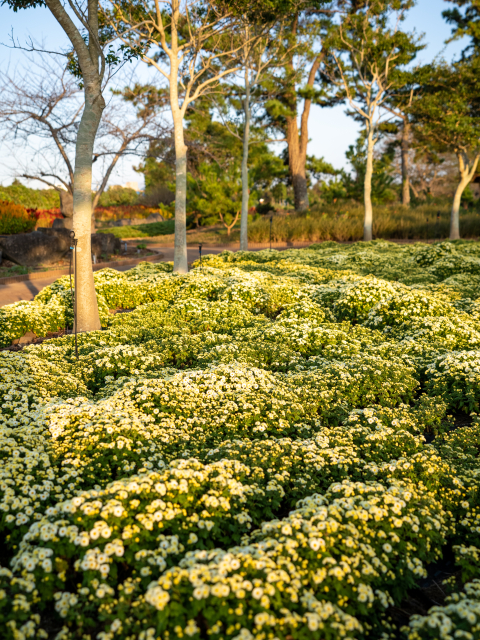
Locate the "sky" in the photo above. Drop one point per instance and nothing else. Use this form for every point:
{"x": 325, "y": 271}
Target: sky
{"x": 331, "y": 131}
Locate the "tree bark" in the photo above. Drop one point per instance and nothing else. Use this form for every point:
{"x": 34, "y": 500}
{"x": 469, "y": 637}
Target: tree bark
{"x": 87, "y": 308}
{"x": 88, "y": 58}
{"x": 405, "y": 164}
{"x": 245, "y": 190}
{"x": 466, "y": 176}
{"x": 455, "y": 215}
{"x": 180, "y": 262}
{"x": 368, "y": 220}
{"x": 296, "y": 163}
{"x": 66, "y": 203}
{"x": 297, "y": 142}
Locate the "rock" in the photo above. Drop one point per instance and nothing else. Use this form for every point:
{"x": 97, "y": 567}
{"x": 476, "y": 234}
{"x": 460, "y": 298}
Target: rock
{"x": 154, "y": 217}
{"x": 105, "y": 243}
{"x": 127, "y": 222}
{"x": 27, "y": 338}
{"x": 63, "y": 223}
{"x": 31, "y": 249}
{"x": 66, "y": 203}
{"x": 46, "y": 246}
{"x": 63, "y": 236}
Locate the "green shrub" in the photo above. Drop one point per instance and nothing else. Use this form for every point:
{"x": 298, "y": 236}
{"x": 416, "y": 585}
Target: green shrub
{"x": 455, "y": 377}
{"x": 30, "y": 198}
{"x": 149, "y": 229}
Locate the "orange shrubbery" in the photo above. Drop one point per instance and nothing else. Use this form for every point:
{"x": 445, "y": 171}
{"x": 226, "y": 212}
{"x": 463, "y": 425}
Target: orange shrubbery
{"x": 45, "y": 217}
{"x": 124, "y": 211}
{"x": 15, "y": 218}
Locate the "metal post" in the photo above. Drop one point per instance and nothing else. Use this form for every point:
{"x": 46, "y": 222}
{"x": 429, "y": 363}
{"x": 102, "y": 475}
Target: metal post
{"x": 271, "y": 220}
{"x": 74, "y": 249}
{"x": 200, "y": 253}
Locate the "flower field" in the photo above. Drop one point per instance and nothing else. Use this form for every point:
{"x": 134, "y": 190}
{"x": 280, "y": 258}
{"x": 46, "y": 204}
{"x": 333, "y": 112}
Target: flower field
{"x": 277, "y": 445}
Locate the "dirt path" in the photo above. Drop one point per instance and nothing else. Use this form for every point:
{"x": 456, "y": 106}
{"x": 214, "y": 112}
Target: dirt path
{"x": 28, "y": 290}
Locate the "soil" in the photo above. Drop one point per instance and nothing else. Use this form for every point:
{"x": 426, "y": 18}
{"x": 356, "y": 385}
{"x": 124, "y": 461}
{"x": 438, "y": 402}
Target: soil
{"x": 428, "y": 593}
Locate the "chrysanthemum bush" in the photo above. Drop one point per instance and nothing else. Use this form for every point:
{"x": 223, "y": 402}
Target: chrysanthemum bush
{"x": 266, "y": 447}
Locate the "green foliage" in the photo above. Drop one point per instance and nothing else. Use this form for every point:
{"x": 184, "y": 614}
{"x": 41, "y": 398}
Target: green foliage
{"x": 383, "y": 189}
{"x": 214, "y": 190}
{"x": 214, "y": 167}
{"x": 30, "y": 198}
{"x": 466, "y": 23}
{"x": 147, "y": 230}
{"x": 117, "y": 195}
{"x": 446, "y": 109}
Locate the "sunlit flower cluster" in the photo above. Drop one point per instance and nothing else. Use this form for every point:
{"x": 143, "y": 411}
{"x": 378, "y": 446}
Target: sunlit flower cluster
{"x": 276, "y": 445}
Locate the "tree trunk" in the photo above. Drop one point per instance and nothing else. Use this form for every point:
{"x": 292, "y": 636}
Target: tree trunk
{"x": 405, "y": 162}
{"x": 466, "y": 175}
{"x": 66, "y": 203}
{"x": 455, "y": 217}
{"x": 368, "y": 220}
{"x": 245, "y": 194}
{"x": 296, "y": 164}
{"x": 87, "y": 308}
{"x": 180, "y": 262}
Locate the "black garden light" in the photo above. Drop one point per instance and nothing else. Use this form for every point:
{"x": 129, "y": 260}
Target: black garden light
{"x": 73, "y": 249}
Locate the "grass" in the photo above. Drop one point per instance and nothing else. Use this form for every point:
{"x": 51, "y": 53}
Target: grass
{"x": 14, "y": 270}
{"x": 148, "y": 230}
{"x": 345, "y": 224}
{"x": 341, "y": 223}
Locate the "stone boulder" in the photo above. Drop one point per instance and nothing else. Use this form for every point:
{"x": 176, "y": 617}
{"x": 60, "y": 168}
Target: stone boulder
{"x": 154, "y": 217}
{"x": 49, "y": 245}
{"x": 105, "y": 243}
{"x": 63, "y": 223}
{"x": 62, "y": 235}
{"x": 32, "y": 249}
{"x": 127, "y": 222}
{"x": 66, "y": 203}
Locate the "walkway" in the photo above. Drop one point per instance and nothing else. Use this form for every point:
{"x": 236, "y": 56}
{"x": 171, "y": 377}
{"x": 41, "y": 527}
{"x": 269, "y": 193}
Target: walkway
{"x": 28, "y": 290}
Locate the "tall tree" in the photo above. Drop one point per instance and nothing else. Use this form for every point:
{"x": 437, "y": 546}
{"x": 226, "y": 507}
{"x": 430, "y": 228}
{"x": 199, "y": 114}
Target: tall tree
{"x": 294, "y": 87}
{"x": 80, "y": 22}
{"x": 258, "y": 56}
{"x": 398, "y": 103}
{"x": 214, "y": 163}
{"x": 45, "y": 102}
{"x": 465, "y": 21}
{"x": 193, "y": 46}
{"x": 365, "y": 49}
{"x": 446, "y": 113}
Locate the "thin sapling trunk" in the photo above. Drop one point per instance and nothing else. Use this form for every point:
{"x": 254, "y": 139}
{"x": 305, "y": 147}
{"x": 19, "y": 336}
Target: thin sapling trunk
{"x": 466, "y": 176}
{"x": 368, "y": 220}
{"x": 405, "y": 164}
{"x": 245, "y": 189}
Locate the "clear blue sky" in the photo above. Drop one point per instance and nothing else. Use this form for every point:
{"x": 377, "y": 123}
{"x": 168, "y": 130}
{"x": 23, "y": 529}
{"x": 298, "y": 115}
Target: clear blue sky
{"x": 331, "y": 131}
